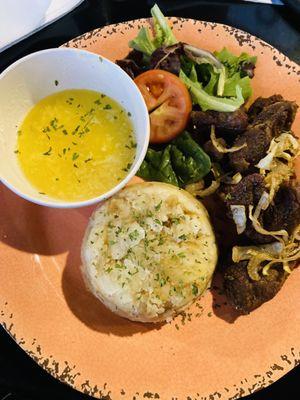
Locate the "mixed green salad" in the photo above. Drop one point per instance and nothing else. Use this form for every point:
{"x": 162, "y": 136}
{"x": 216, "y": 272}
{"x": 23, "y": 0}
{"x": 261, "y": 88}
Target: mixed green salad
{"x": 220, "y": 81}
{"x": 178, "y": 80}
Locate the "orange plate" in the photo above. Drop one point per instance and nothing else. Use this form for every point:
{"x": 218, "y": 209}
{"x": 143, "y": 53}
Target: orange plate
{"x": 206, "y": 353}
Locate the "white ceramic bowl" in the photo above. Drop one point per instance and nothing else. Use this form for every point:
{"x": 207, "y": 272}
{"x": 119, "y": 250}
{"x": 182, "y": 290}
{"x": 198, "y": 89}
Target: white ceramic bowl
{"x": 32, "y": 78}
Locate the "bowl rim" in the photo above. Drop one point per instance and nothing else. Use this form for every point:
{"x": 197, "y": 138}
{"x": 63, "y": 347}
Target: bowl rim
{"x": 136, "y": 164}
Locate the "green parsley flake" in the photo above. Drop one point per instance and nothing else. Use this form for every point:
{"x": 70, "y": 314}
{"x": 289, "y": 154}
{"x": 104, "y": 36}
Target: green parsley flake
{"x": 162, "y": 282}
{"x": 194, "y": 289}
{"x": 48, "y": 153}
{"x": 127, "y": 168}
{"x": 157, "y": 207}
{"x": 182, "y": 237}
{"x": 133, "y": 235}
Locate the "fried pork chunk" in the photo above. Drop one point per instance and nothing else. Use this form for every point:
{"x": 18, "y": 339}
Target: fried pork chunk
{"x": 247, "y": 192}
{"x": 245, "y": 294}
{"x": 268, "y": 118}
{"x": 260, "y": 103}
{"x": 268, "y": 123}
{"x": 224, "y": 122}
{"x": 283, "y": 212}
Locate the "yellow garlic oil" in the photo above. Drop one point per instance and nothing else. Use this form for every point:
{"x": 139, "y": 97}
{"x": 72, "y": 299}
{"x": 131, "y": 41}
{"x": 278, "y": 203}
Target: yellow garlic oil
{"x": 76, "y": 144}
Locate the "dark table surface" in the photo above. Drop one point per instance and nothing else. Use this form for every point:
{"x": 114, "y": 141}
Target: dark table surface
{"x": 20, "y": 377}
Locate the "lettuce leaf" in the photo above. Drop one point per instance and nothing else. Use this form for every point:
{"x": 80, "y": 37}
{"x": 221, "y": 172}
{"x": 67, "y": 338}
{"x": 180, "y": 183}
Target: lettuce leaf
{"x": 186, "y": 64}
{"x": 193, "y": 75}
{"x": 143, "y": 42}
{"x": 163, "y": 34}
{"x": 205, "y": 58}
{"x": 235, "y": 72}
{"x": 220, "y": 83}
{"x": 209, "y": 102}
{"x": 231, "y": 83}
{"x": 232, "y": 62}
{"x": 210, "y": 88}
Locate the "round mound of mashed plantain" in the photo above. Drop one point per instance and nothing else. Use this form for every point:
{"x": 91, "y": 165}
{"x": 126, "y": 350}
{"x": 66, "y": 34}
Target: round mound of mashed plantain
{"x": 149, "y": 252}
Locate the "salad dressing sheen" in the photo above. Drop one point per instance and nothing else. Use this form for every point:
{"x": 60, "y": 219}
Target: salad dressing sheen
{"x": 76, "y": 144}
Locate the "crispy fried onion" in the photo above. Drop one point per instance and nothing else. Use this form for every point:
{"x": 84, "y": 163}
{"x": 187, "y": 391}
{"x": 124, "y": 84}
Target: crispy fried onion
{"x": 219, "y": 146}
{"x": 198, "y": 189}
{"x": 239, "y": 217}
{"x": 231, "y": 180}
{"x": 268, "y": 255}
{"x": 255, "y": 255}
{"x": 263, "y": 204}
{"x": 236, "y": 178}
{"x": 280, "y": 235}
{"x": 277, "y": 165}
{"x": 280, "y": 172}
{"x": 285, "y": 146}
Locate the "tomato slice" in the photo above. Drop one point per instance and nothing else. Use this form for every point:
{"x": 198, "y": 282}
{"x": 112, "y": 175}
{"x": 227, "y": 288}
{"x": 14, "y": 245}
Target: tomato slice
{"x": 168, "y": 101}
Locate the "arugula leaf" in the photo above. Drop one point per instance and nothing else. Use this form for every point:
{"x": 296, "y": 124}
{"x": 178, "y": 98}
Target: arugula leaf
{"x": 209, "y": 102}
{"x": 163, "y": 34}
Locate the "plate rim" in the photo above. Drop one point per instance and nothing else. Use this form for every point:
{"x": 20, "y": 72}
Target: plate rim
{"x": 292, "y": 359}
{"x": 250, "y": 36}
